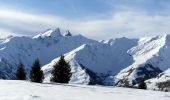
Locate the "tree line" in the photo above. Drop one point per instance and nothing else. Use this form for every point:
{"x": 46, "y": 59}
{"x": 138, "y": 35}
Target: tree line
{"x": 61, "y": 72}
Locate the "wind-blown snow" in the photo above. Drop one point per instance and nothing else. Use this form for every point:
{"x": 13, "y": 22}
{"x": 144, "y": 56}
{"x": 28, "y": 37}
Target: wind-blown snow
{"x": 20, "y": 90}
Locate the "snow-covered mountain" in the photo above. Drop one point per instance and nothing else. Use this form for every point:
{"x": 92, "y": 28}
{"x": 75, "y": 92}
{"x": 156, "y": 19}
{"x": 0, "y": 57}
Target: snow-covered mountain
{"x": 151, "y": 56}
{"x": 96, "y": 63}
{"x": 45, "y": 46}
{"x": 122, "y": 61}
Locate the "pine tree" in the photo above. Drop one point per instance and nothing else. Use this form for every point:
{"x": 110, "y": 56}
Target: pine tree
{"x": 142, "y": 85}
{"x": 61, "y": 72}
{"x": 36, "y": 74}
{"x": 20, "y": 73}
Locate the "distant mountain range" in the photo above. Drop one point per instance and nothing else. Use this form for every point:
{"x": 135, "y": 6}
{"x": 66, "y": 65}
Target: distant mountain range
{"x": 120, "y": 62}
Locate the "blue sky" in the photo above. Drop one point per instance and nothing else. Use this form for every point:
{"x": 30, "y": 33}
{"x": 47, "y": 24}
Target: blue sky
{"x": 97, "y": 19}
{"x": 64, "y": 8}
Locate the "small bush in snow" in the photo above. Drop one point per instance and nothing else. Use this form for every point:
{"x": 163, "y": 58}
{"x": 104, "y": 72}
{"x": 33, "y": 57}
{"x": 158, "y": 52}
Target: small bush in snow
{"x": 142, "y": 85}
{"x": 164, "y": 86}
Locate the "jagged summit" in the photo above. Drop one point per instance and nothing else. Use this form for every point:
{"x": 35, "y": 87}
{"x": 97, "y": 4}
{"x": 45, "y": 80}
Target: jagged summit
{"x": 54, "y": 33}
{"x": 67, "y": 33}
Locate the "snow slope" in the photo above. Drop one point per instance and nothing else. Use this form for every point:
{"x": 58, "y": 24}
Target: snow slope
{"x": 20, "y": 90}
{"x": 96, "y": 63}
{"x": 151, "y": 56}
{"x": 79, "y": 74}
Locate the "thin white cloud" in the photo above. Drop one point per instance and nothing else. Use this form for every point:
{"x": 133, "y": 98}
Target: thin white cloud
{"x": 5, "y": 33}
{"x": 128, "y": 24}
{"x": 26, "y": 21}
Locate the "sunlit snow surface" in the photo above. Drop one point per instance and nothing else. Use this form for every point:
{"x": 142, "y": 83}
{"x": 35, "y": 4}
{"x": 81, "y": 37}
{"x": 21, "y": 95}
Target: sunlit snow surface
{"x": 20, "y": 90}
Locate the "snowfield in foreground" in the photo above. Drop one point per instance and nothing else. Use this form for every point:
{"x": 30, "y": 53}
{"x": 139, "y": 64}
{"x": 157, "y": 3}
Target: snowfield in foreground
{"x": 20, "y": 90}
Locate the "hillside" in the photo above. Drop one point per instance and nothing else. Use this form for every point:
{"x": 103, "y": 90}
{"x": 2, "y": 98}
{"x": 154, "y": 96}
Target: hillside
{"x": 161, "y": 82}
{"x": 151, "y": 57}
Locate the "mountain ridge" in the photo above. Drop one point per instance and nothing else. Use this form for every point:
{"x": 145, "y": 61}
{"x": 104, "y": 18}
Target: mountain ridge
{"x": 108, "y": 62}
